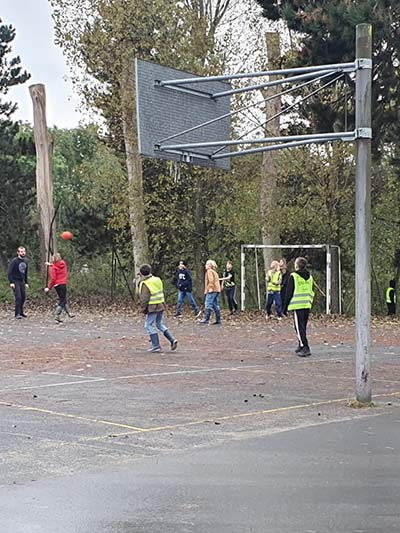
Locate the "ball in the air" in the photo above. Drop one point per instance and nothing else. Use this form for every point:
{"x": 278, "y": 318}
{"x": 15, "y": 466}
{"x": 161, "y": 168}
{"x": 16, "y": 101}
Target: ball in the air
{"x": 66, "y": 235}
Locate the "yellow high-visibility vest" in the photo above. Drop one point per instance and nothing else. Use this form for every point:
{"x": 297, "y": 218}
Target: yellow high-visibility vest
{"x": 156, "y": 288}
{"x": 388, "y": 300}
{"x": 274, "y": 281}
{"x": 303, "y": 295}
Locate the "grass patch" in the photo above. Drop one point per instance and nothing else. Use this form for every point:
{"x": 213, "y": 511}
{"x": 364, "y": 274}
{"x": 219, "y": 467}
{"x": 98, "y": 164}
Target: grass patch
{"x": 355, "y": 404}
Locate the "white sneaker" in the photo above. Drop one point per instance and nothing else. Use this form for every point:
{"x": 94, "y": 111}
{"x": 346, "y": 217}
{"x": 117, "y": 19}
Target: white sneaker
{"x": 198, "y": 314}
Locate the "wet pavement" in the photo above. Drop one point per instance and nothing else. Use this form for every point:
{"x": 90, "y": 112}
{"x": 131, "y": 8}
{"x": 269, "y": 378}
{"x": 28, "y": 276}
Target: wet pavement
{"x": 232, "y": 432}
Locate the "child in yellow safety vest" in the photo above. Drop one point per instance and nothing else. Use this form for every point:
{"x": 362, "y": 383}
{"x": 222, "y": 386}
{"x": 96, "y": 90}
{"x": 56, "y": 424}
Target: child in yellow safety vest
{"x": 152, "y": 303}
{"x": 273, "y": 280}
{"x": 391, "y": 297}
{"x": 300, "y": 294}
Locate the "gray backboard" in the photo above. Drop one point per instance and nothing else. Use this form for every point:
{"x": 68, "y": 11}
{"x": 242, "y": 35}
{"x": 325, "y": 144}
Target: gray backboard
{"x": 163, "y": 111}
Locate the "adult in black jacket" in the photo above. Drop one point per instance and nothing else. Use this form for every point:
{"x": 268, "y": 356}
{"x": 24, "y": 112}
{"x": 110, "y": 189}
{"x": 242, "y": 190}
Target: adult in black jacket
{"x": 184, "y": 284}
{"x": 18, "y": 279}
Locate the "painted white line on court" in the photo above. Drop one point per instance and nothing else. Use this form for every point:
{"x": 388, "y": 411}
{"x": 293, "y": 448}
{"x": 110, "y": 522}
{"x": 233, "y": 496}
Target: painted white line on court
{"x": 323, "y": 376}
{"x": 62, "y": 384}
{"x": 183, "y": 372}
{"x": 79, "y": 376}
{"x": 155, "y": 374}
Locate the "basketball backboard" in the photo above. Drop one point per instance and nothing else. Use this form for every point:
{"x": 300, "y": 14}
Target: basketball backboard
{"x": 165, "y": 113}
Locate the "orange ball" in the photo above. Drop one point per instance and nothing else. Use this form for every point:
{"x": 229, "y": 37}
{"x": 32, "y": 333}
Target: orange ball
{"x": 66, "y": 235}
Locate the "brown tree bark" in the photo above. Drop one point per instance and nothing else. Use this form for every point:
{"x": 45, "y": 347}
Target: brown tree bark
{"x": 200, "y": 235}
{"x": 133, "y": 162}
{"x": 44, "y": 181}
{"x": 270, "y": 222}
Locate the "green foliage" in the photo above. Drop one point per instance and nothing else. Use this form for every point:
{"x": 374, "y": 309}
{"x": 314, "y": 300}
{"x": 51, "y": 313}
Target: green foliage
{"x": 327, "y": 35}
{"x": 17, "y": 188}
{"x": 11, "y": 72}
{"x": 90, "y": 190}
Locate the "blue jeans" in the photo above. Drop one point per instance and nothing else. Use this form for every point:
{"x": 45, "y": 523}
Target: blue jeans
{"x": 274, "y": 296}
{"x": 211, "y": 304}
{"x": 156, "y": 318}
{"x": 181, "y": 298}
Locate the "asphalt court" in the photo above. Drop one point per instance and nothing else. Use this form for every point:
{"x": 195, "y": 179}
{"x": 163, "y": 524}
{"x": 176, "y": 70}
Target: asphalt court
{"x": 87, "y": 394}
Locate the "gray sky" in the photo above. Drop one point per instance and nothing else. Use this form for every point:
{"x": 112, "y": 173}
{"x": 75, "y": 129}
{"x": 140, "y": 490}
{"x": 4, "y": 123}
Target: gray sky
{"x": 34, "y": 44}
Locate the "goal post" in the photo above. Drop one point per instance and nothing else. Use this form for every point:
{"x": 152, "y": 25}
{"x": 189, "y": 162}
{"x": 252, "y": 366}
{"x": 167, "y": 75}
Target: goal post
{"x": 328, "y": 283}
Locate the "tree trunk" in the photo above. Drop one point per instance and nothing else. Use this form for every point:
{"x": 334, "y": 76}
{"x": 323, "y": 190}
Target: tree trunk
{"x": 133, "y": 163}
{"x": 270, "y": 221}
{"x": 44, "y": 183}
{"x": 198, "y": 245}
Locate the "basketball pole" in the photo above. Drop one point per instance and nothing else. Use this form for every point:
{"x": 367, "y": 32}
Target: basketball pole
{"x": 363, "y": 211}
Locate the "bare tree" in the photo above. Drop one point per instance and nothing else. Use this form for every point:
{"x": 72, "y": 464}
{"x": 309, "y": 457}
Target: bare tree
{"x": 44, "y": 182}
{"x": 270, "y": 226}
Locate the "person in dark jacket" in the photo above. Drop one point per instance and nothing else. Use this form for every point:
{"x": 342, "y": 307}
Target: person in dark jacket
{"x": 18, "y": 279}
{"x": 300, "y": 294}
{"x": 229, "y": 286}
{"x": 58, "y": 280}
{"x": 285, "y": 275}
{"x": 391, "y": 297}
{"x": 184, "y": 285}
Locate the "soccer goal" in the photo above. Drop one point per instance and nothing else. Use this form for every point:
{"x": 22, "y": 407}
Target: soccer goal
{"x": 325, "y": 269}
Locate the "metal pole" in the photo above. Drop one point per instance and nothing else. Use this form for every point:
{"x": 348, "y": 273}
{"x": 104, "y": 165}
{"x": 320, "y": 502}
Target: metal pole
{"x": 258, "y": 279}
{"x": 351, "y": 67}
{"x": 242, "y": 276}
{"x": 350, "y": 135}
{"x": 363, "y": 213}
{"x": 328, "y": 279}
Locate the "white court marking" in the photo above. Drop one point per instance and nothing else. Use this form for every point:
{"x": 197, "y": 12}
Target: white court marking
{"x": 95, "y": 379}
{"x": 155, "y": 374}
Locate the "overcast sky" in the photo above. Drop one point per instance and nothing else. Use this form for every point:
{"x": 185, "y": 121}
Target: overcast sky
{"x": 34, "y": 44}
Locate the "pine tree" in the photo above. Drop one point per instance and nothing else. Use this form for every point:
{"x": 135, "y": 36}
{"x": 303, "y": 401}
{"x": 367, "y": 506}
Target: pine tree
{"x": 11, "y": 72}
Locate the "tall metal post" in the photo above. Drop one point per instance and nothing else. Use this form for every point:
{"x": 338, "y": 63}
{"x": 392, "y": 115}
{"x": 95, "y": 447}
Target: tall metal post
{"x": 363, "y": 211}
{"x": 328, "y": 280}
{"x": 243, "y": 277}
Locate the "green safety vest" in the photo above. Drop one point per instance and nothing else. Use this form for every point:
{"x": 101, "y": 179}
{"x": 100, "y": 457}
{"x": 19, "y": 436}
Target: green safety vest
{"x": 156, "y": 288}
{"x": 303, "y": 294}
{"x": 388, "y": 300}
{"x": 274, "y": 283}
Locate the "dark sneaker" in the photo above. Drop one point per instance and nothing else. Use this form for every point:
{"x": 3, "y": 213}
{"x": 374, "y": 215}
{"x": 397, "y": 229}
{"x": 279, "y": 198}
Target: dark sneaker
{"x": 174, "y": 345}
{"x": 216, "y": 323}
{"x": 24, "y": 315}
{"x": 18, "y": 317}
{"x": 297, "y": 349}
{"x": 57, "y": 319}
{"x": 71, "y": 316}
{"x": 304, "y": 352}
